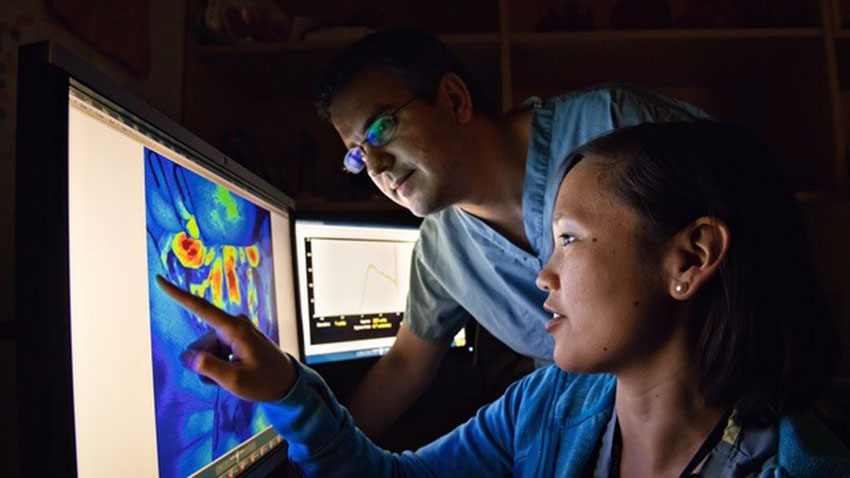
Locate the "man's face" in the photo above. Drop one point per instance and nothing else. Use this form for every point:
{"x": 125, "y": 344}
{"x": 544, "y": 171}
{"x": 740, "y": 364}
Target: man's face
{"x": 418, "y": 168}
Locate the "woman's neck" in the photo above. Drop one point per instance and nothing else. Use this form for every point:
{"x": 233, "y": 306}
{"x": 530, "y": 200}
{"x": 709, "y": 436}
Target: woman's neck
{"x": 663, "y": 422}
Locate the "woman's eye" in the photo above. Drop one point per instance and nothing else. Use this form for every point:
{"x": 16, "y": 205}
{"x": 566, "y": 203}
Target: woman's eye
{"x": 566, "y": 239}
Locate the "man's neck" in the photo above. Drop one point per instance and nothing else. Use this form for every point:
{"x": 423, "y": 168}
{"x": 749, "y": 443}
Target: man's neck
{"x": 500, "y": 152}
{"x": 663, "y": 422}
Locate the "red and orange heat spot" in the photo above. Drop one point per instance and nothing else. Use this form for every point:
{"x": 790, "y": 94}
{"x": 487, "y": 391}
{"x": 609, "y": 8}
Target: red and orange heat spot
{"x": 215, "y": 279}
{"x": 253, "y": 253}
{"x": 251, "y": 296}
{"x": 229, "y": 253}
{"x": 189, "y": 251}
{"x": 253, "y": 300}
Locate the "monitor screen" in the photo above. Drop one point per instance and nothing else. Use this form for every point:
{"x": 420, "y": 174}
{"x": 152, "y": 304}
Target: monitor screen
{"x": 353, "y": 282}
{"x": 137, "y": 209}
{"x": 142, "y": 204}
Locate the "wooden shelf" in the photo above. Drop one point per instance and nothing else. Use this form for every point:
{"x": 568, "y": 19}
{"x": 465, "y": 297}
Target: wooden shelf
{"x": 254, "y": 48}
{"x": 292, "y": 69}
{"x": 531, "y": 15}
{"x": 678, "y": 34}
{"x": 820, "y": 197}
{"x": 484, "y": 39}
{"x": 680, "y": 57}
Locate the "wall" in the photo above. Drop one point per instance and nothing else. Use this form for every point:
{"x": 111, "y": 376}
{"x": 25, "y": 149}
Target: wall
{"x": 161, "y": 87}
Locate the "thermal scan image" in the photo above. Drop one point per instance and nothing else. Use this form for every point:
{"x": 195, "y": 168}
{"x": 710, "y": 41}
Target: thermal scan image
{"x": 217, "y": 245}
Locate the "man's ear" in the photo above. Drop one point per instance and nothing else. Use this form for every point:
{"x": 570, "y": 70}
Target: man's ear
{"x": 453, "y": 91}
{"x": 693, "y": 256}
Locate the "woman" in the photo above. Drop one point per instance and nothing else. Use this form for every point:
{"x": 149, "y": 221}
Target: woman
{"x": 689, "y": 340}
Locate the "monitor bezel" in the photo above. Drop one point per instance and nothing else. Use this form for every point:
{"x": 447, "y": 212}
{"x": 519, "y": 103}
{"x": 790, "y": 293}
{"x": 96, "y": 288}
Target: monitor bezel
{"x": 42, "y": 286}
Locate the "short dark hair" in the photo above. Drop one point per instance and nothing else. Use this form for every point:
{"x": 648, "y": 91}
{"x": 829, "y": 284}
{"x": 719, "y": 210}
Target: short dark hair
{"x": 763, "y": 341}
{"x": 417, "y": 59}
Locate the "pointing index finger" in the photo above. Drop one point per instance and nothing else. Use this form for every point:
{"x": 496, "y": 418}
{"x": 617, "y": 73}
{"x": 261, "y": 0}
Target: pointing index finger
{"x": 215, "y": 317}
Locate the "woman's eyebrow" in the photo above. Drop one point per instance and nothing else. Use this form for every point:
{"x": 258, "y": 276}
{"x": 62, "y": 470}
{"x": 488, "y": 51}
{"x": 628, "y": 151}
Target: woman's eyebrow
{"x": 576, "y": 216}
{"x": 564, "y": 219}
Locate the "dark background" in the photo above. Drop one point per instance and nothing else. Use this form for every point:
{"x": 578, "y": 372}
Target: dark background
{"x": 243, "y": 81}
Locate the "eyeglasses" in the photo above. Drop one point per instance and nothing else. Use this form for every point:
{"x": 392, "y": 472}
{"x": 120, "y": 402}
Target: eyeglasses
{"x": 379, "y": 133}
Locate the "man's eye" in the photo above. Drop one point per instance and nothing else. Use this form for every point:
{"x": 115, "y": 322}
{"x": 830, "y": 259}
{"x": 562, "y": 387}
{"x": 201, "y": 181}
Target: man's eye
{"x": 380, "y": 131}
{"x": 566, "y": 239}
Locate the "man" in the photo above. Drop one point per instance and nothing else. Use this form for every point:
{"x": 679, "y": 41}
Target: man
{"x": 414, "y": 119}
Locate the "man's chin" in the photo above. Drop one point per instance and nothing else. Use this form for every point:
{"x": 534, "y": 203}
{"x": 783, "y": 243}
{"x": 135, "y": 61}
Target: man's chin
{"x": 417, "y": 207}
{"x": 414, "y": 208}
{"x": 420, "y": 210}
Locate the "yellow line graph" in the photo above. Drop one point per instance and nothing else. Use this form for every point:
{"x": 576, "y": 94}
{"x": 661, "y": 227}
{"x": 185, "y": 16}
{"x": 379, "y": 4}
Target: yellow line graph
{"x": 373, "y": 268}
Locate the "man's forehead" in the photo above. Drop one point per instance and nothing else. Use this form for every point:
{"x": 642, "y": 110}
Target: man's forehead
{"x": 367, "y": 90}
{"x": 371, "y": 92}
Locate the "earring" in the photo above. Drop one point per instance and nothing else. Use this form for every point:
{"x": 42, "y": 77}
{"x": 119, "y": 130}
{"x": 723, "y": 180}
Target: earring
{"x": 681, "y": 287}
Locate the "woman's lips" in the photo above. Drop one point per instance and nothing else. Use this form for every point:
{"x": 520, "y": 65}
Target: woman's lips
{"x": 554, "y": 322}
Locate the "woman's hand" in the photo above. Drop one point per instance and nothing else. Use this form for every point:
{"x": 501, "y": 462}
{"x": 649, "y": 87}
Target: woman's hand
{"x": 257, "y": 370}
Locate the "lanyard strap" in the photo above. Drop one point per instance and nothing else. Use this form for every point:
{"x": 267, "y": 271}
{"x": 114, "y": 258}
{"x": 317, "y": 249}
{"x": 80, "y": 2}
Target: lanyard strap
{"x": 616, "y": 451}
{"x": 706, "y": 447}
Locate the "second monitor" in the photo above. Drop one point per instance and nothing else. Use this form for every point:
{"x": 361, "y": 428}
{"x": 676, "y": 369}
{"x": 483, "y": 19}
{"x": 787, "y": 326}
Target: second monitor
{"x": 353, "y": 283}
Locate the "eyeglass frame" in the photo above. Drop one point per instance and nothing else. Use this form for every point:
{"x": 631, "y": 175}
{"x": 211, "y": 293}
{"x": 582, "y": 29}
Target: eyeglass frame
{"x": 360, "y": 158}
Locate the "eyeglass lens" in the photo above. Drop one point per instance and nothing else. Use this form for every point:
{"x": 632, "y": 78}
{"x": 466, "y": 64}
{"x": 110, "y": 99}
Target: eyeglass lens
{"x": 378, "y": 134}
{"x": 381, "y": 131}
{"x": 355, "y": 160}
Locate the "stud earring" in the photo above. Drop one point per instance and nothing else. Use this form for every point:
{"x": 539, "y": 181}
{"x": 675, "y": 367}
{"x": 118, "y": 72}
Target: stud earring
{"x": 682, "y": 287}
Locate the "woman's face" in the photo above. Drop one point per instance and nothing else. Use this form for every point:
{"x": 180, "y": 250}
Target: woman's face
{"x": 608, "y": 297}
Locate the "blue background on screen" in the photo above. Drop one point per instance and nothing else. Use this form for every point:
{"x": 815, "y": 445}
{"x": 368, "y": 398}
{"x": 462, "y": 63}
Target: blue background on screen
{"x": 216, "y": 244}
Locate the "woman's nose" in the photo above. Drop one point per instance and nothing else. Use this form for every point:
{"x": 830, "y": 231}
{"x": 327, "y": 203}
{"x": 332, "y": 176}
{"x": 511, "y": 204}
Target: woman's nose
{"x": 546, "y": 280}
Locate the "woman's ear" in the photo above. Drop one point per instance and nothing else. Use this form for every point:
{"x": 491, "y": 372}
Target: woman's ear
{"x": 453, "y": 91}
{"x": 693, "y": 256}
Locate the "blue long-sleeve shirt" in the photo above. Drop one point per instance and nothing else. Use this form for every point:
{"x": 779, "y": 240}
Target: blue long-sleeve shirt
{"x": 547, "y": 424}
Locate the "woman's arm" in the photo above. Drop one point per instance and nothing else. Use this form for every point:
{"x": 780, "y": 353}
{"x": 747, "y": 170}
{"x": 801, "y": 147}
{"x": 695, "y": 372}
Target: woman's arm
{"x": 323, "y": 440}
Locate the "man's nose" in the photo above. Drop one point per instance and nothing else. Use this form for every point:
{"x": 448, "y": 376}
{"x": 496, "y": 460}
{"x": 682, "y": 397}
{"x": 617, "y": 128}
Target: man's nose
{"x": 378, "y": 160}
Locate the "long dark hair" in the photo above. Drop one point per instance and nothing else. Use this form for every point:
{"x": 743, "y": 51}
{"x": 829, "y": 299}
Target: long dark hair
{"x": 762, "y": 339}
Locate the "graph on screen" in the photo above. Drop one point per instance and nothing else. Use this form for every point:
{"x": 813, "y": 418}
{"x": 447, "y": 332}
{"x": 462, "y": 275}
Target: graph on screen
{"x": 353, "y": 282}
{"x": 356, "y": 287}
{"x": 359, "y": 277}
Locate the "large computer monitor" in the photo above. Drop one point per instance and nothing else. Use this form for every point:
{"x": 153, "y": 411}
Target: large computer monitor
{"x": 353, "y": 281}
{"x": 111, "y": 193}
